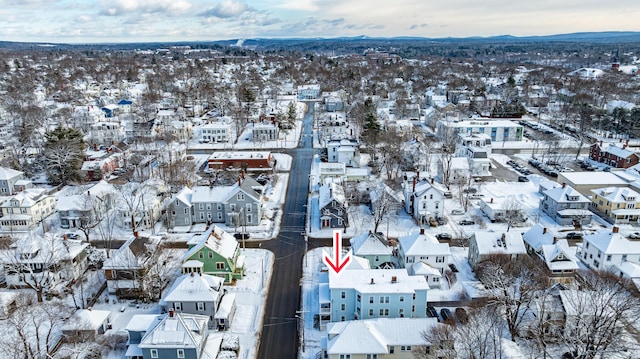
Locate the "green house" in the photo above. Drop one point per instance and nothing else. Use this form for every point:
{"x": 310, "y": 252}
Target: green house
{"x": 216, "y": 253}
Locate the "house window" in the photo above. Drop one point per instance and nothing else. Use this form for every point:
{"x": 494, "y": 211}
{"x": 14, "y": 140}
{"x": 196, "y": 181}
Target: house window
{"x": 201, "y": 255}
{"x": 180, "y": 353}
{"x": 384, "y": 312}
{"x": 392, "y": 349}
{"x": 210, "y": 254}
{"x": 240, "y": 197}
{"x": 219, "y": 215}
{"x": 370, "y": 300}
{"x": 154, "y": 353}
{"x": 609, "y": 258}
{"x": 249, "y": 219}
{"x": 200, "y": 306}
{"x": 343, "y": 307}
{"x": 343, "y": 318}
{"x": 219, "y": 206}
{"x": 177, "y": 306}
{"x": 248, "y": 207}
{"x": 219, "y": 265}
{"x": 185, "y": 211}
{"x": 343, "y": 294}
{"x": 201, "y": 206}
{"x": 345, "y": 356}
{"x": 371, "y": 312}
{"x": 372, "y": 356}
{"x": 405, "y": 348}
{"x": 339, "y": 221}
{"x": 402, "y": 298}
{"x": 358, "y": 298}
{"x": 624, "y": 257}
{"x": 401, "y": 312}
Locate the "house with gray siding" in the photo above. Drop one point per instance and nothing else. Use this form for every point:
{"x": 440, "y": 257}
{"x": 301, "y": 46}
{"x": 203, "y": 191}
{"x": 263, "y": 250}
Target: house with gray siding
{"x": 375, "y": 248}
{"x": 333, "y": 206}
{"x": 195, "y": 293}
{"x": 240, "y": 204}
{"x": 8, "y": 179}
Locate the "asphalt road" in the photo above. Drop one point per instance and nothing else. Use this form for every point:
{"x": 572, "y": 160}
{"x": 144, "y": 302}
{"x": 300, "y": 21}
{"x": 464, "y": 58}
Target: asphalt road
{"x": 279, "y": 337}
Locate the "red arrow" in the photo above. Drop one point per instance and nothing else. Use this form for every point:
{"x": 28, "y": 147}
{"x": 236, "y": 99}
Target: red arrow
{"x": 338, "y": 263}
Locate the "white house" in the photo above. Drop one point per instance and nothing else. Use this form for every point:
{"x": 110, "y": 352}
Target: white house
{"x": 377, "y": 338}
{"x": 484, "y": 244}
{"x": 566, "y": 205}
{"x": 605, "y": 249}
{"x": 423, "y": 200}
{"x": 345, "y": 151}
{"x": 216, "y": 132}
{"x": 422, "y": 254}
{"x": 26, "y": 209}
{"x": 498, "y": 130}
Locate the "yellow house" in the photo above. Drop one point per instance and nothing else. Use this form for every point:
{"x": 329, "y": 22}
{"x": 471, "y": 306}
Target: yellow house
{"x": 26, "y": 209}
{"x": 617, "y": 204}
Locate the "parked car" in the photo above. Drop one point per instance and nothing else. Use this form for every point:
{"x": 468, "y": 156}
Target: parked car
{"x": 242, "y": 235}
{"x": 445, "y": 313}
{"x": 453, "y": 267}
{"x": 462, "y": 315}
{"x": 71, "y": 235}
{"x": 466, "y": 222}
{"x": 457, "y": 211}
{"x": 431, "y": 312}
{"x": 574, "y": 235}
{"x": 523, "y": 179}
{"x": 444, "y": 236}
{"x": 635, "y": 235}
{"x": 441, "y": 221}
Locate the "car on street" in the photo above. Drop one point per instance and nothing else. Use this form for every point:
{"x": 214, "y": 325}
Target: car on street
{"x": 635, "y": 235}
{"x": 523, "y": 179}
{"x": 446, "y": 314}
{"x": 457, "y": 211}
{"x": 466, "y": 222}
{"x": 241, "y": 235}
{"x": 453, "y": 267}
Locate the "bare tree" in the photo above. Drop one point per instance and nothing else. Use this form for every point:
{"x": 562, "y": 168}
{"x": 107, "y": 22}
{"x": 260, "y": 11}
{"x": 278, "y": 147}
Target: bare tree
{"x": 599, "y": 318}
{"x": 512, "y": 286}
{"x": 513, "y": 212}
{"x": 35, "y": 326}
{"x": 382, "y": 204}
{"x": 106, "y": 228}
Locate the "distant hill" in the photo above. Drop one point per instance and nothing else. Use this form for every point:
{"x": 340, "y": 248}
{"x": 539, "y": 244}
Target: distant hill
{"x": 606, "y": 37}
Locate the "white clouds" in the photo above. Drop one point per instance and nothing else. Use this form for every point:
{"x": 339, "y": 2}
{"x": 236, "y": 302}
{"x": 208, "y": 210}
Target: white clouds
{"x": 126, "y": 7}
{"x": 226, "y": 9}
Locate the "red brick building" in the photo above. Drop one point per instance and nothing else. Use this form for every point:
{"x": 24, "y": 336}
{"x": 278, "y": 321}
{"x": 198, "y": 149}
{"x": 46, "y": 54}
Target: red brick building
{"x": 619, "y": 156}
{"x": 246, "y": 160}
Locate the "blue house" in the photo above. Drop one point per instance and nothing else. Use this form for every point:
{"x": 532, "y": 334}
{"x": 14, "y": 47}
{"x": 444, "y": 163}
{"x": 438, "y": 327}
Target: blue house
{"x": 110, "y": 110}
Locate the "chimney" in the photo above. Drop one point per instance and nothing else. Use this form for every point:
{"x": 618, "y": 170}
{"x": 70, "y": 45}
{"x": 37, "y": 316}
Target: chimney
{"x": 555, "y": 239}
{"x": 544, "y": 230}
{"x": 620, "y": 140}
{"x": 421, "y": 230}
{"x": 431, "y": 180}
{"x": 491, "y": 200}
{"x": 239, "y": 181}
{"x": 624, "y": 146}
{"x": 394, "y": 279}
{"x": 615, "y": 229}
{"x": 414, "y": 184}
{"x": 192, "y": 274}
{"x": 372, "y": 281}
{"x": 417, "y": 174}
{"x": 600, "y": 143}
{"x": 627, "y": 142}
{"x": 564, "y": 184}
{"x": 171, "y": 312}
{"x": 242, "y": 174}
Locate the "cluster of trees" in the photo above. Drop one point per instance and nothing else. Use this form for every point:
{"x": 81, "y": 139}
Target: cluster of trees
{"x": 595, "y": 321}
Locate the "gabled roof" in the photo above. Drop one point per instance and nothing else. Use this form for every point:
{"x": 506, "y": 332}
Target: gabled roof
{"x": 8, "y": 173}
{"x": 370, "y": 244}
{"x": 615, "y": 150}
{"x": 361, "y": 281}
{"x": 185, "y": 195}
{"x": 417, "y": 244}
{"x": 87, "y": 319}
{"x": 562, "y": 195}
{"x": 422, "y": 268}
{"x": 195, "y": 288}
{"x": 558, "y": 256}
{"x": 538, "y": 235}
{"x": 422, "y": 186}
{"x": 180, "y": 330}
{"x": 610, "y": 242}
{"x": 616, "y": 194}
{"x": 218, "y": 241}
{"x": 375, "y": 336}
{"x": 331, "y": 191}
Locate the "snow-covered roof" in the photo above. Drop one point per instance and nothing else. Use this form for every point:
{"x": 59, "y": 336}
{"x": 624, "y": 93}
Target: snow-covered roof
{"x": 195, "y": 288}
{"x": 617, "y": 194}
{"x": 538, "y": 235}
{"x": 422, "y": 268}
{"x": 218, "y": 241}
{"x": 566, "y": 194}
{"x": 185, "y": 196}
{"x": 617, "y": 151}
{"x": 181, "y": 329}
{"x": 593, "y": 178}
{"x": 27, "y": 198}
{"x": 142, "y": 322}
{"x": 329, "y": 192}
{"x": 611, "y": 242}
{"x": 206, "y": 194}
{"x": 375, "y": 336}
{"x": 558, "y": 256}
{"x": 361, "y": 280}
{"x": 417, "y": 244}
{"x": 8, "y": 173}
{"x": 358, "y": 263}
{"x": 370, "y": 244}
{"x": 226, "y": 306}
{"x": 239, "y": 155}
{"x": 497, "y": 243}
{"x": 87, "y": 319}
{"x": 629, "y": 269}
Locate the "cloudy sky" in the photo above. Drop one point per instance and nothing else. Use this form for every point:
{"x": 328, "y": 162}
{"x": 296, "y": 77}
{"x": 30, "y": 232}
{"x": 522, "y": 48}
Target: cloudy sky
{"x": 82, "y": 21}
